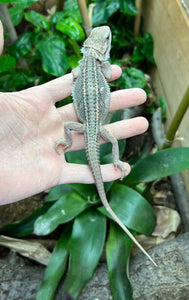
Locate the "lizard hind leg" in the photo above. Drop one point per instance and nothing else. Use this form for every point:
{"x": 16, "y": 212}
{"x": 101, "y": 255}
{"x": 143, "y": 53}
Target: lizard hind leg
{"x": 106, "y": 135}
{"x": 67, "y": 141}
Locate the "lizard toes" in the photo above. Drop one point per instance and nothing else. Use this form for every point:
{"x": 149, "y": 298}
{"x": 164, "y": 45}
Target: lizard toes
{"x": 61, "y": 142}
{"x": 120, "y": 164}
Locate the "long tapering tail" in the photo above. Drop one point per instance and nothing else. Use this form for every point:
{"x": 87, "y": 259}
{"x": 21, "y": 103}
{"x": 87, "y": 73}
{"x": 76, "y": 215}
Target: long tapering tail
{"x": 94, "y": 163}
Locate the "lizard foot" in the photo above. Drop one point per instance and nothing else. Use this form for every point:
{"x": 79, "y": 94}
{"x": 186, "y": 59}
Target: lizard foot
{"x": 120, "y": 164}
{"x": 62, "y": 142}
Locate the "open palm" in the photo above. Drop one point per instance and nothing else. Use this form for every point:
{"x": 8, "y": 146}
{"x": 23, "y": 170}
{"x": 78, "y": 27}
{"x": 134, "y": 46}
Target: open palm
{"x": 30, "y": 124}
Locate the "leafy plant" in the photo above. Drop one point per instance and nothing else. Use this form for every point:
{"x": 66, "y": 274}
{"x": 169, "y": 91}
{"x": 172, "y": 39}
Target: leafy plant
{"x": 51, "y": 48}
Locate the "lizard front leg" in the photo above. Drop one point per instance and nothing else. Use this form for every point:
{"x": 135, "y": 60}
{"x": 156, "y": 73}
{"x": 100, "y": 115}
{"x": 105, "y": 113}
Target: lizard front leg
{"x": 106, "y": 69}
{"x": 67, "y": 141}
{"x": 106, "y": 135}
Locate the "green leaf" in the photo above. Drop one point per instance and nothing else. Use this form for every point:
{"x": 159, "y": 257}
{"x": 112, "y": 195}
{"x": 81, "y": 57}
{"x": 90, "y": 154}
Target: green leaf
{"x": 77, "y": 157}
{"x": 87, "y": 191}
{"x": 26, "y": 226}
{"x": 131, "y": 78}
{"x": 56, "y": 267}
{"x": 7, "y": 62}
{"x": 118, "y": 249}
{"x": 143, "y": 49}
{"x": 16, "y": 13}
{"x": 73, "y": 61}
{"x": 16, "y": 79}
{"x": 131, "y": 208}
{"x": 25, "y": 2}
{"x": 71, "y": 10}
{"x": 128, "y": 7}
{"x": 86, "y": 247}
{"x": 53, "y": 53}
{"x": 162, "y": 104}
{"x": 63, "y": 210}
{"x": 148, "y": 47}
{"x": 137, "y": 55}
{"x": 22, "y": 46}
{"x": 71, "y": 28}
{"x": 103, "y": 11}
{"x": 37, "y": 19}
{"x": 57, "y": 17}
{"x": 161, "y": 164}
{"x": 58, "y": 191}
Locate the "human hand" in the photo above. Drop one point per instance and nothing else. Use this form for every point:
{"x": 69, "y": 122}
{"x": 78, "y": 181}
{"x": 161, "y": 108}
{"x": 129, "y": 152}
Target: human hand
{"x": 30, "y": 125}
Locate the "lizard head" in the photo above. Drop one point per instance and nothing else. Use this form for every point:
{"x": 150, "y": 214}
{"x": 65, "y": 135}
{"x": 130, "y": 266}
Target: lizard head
{"x": 98, "y": 43}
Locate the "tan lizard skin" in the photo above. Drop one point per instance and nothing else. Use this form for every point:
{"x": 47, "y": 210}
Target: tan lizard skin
{"x": 91, "y": 97}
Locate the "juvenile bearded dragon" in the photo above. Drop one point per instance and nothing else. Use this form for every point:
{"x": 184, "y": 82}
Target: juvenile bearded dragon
{"x": 91, "y": 97}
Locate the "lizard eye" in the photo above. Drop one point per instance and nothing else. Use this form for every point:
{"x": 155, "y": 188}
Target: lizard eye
{"x": 108, "y": 38}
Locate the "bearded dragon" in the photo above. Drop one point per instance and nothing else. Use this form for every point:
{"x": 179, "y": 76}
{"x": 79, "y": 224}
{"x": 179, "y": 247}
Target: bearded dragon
{"x": 91, "y": 97}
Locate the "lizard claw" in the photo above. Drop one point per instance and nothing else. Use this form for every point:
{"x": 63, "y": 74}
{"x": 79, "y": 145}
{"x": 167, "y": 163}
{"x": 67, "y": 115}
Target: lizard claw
{"x": 62, "y": 142}
{"x": 120, "y": 164}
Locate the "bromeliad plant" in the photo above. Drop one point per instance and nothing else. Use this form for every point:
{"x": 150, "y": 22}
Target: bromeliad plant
{"x": 87, "y": 227}
{"x": 74, "y": 210}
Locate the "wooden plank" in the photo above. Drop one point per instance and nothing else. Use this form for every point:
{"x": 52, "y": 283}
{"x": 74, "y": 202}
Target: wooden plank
{"x": 168, "y": 23}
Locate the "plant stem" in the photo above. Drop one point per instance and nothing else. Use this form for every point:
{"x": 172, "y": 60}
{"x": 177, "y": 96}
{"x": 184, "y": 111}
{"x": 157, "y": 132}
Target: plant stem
{"x": 4, "y": 14}
{"x": 75, "y": 47}
{"x": 138, "y": 18}
{"x": 60, "y": 5}
{"x": 87, "y": 23}
{"x": 169, "y": 138}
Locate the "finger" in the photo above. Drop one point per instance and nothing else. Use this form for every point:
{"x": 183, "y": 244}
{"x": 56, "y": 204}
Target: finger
{"x": 119, "y": 100}
{"x": 60, "y": 88}
{"x": 121, "y": 130}
{"x": 82, "y": 173}
{"x": 127, "y": 98}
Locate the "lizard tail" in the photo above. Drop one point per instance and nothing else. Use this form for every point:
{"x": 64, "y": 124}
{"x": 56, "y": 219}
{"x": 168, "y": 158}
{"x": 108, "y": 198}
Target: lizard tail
{"x": 94, "y": 163}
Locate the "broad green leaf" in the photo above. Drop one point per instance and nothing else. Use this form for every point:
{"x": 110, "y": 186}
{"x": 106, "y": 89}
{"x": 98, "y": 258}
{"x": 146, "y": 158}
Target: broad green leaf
{"x": 87, "y": 191}
{"x": 131, "y": 78}
{"x": 63, "y": 210}
{"x": 58, "y": 191}
{"x": 103, "y": 11}
{"x": 148, "y": 47}
{"x": 73, "y": 61}
{"x": 137, "y": 55}
{"x": 53, "y": 54}
{"x": 57, "y": 17}
{"x": 143, "y": 49}
{"x": 26, "y": 226}
{"x": 16, "y": 79}
{"x": 37, "y": 19}
{"x": 25, "y": 2}
{"x": 77, "y": 157}
{"x": 71, "y": 28}
{"x": 56, "y": 267}
{"x": 161, "y": 164}
{"x": 71, "y": 10}
{"x": 128, "y": 7}
{"x": 132, "y": 209}
{"x": 118, "y": 249}
{"x": 7, "y": 62}
{"x": 16, "y": 13}
{"x": 86, "y": 247}
{"x": 22, "y": 46}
